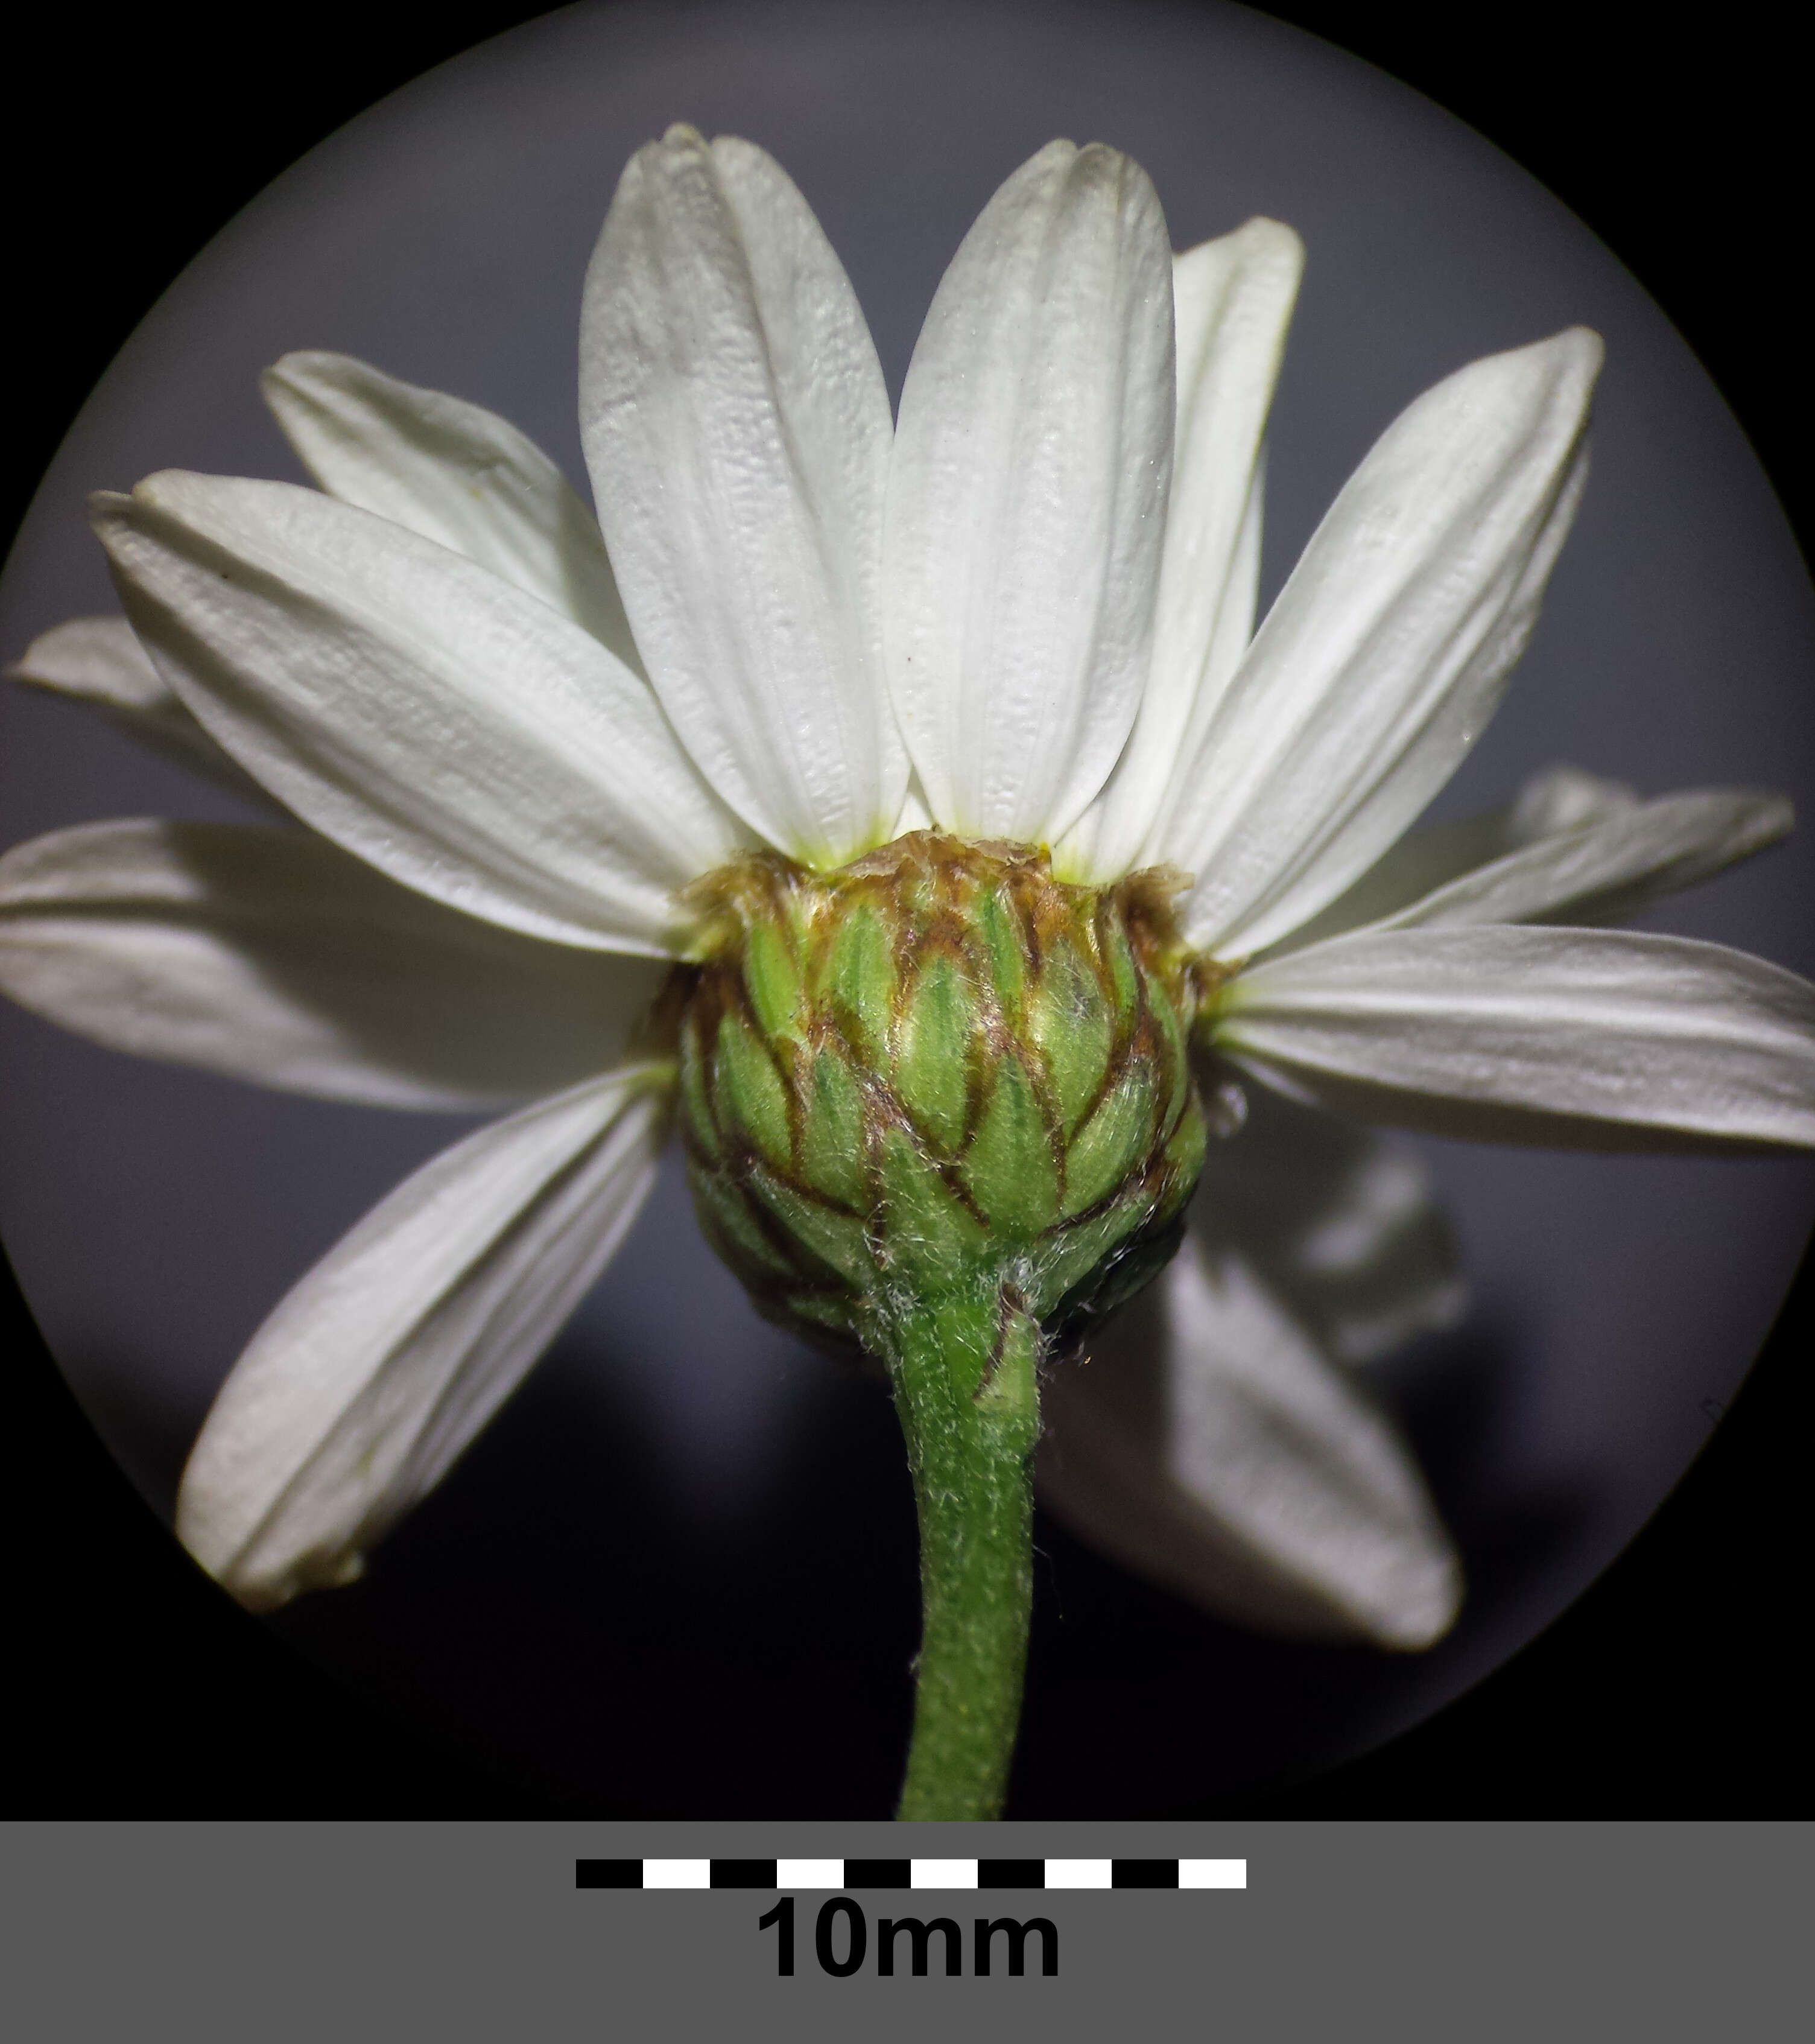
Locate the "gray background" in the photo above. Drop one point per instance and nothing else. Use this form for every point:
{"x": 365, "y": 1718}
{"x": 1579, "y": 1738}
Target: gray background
{"x": 467, "y": 1931}
{"x": 685, "y": 1524}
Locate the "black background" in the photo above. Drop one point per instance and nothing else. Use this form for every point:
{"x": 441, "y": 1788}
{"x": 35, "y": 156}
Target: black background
{"x": 1672, "y": 1687}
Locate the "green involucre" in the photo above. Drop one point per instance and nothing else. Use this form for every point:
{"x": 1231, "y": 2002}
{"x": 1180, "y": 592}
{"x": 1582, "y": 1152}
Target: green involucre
{"x": 937, "y": 1073}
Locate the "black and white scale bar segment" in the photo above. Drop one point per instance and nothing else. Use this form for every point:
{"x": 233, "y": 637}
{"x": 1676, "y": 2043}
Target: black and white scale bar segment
{"x": 845, "y": 1876}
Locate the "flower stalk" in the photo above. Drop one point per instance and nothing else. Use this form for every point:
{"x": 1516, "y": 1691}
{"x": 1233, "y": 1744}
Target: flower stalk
{"x": 966, "y": 1370}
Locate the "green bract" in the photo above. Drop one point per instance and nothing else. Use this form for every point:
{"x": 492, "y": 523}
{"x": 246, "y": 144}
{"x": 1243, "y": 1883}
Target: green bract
{"x": 938, "y": 1072}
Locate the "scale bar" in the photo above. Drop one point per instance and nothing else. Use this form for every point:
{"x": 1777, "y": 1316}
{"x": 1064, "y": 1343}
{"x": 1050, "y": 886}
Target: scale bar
{"x": 894, "y": 1875}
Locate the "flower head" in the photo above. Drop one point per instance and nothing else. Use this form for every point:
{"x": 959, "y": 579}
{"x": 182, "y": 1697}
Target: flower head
{"x": 531, "y": 747}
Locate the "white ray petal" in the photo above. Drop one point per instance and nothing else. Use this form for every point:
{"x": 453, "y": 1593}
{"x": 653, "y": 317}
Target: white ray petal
{"x": 1605, "y": 869}
{"x": 1559, "y": 798}
{"x": 99, "y": 662}
{"x": 1589, "y": 1038}
{"x": 1229, "y": 642}
{"x": 1208, "y": 1444}
{"x": 1344, "y": 1229}
{"x": 354, "y": 1397}
{"x": 736, "y": 425}
{"x": 1388, "y": 650}
{"x": 269, "y": 954}
{"x": 1027, "y": 497}
{"x": 436, "y": 720}
{"x": 1232, "y": 303}
{"x": 454, "y": 472}
{"x": 1563, "y": 798}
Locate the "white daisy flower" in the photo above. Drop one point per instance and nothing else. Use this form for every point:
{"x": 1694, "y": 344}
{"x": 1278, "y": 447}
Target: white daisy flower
{"x": 808, "y": 659}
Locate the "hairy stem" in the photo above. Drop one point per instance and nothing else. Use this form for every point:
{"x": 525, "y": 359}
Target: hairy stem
{"x": 965, "y": 1371}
